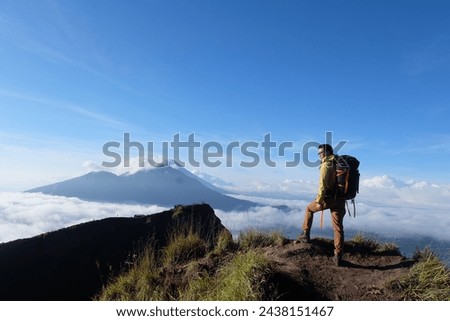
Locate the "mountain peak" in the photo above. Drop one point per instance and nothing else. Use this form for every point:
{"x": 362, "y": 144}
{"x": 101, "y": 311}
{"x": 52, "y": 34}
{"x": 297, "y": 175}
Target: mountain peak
{"x": 164, "y": 186}
{"x": 167, "y": 163}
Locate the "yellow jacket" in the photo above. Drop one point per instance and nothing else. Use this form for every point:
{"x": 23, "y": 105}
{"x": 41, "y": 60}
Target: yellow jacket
{"x": 327, "y": 180}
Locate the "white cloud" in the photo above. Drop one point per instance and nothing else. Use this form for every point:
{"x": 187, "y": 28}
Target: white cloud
{"x": 387, "y": 190}
{"x": 25, "y": 215}
{"x": 383, "y": 181}
{"x": 287, "y": 189}
{"x": 134, "y": 164}
{"x": 216, "y": 181}
{"x": 261, "y": 218}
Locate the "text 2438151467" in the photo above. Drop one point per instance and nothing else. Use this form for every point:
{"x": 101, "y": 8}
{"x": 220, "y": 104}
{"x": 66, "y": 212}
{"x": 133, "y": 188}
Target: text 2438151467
{"x": 295, "y": 311}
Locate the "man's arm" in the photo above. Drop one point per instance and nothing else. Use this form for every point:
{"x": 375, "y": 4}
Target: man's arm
{"x": 321, "y": 193}
{"x": 326, "y": 180}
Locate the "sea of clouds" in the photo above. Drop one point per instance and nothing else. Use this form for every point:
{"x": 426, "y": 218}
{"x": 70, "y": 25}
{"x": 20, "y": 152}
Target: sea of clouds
{"x": 25, "y": 215}
{"x": 385, "y": 206}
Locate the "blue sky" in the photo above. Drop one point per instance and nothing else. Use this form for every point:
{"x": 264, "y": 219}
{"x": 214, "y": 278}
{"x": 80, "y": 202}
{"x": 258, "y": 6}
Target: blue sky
{"x": 77, "y": 74}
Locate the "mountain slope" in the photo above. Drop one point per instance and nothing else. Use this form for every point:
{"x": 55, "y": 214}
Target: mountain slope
{"x": 164, "y": 186}
{"x": 75, "y": 262}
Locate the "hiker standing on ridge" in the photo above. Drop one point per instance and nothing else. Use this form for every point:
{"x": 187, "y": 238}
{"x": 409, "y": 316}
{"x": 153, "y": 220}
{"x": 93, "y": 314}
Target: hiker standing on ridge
{"x": 326, "y": 199}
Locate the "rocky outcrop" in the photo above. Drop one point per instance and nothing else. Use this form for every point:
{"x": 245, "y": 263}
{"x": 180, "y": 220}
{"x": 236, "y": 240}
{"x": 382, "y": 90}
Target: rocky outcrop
{"x": 74, "y": 263}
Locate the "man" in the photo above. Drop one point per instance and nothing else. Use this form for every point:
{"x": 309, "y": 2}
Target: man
{"x": 326, "y": 199}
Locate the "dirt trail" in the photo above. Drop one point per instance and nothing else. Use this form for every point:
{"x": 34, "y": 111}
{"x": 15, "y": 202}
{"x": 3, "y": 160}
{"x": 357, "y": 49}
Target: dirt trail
{"x": 307, "y": 272}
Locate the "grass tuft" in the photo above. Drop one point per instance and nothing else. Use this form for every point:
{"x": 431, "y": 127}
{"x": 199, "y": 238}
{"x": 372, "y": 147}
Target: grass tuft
{"x": 224, "y": 243}
{"x": 183, "y": 248}
{"x": 242, "y": 279}
{"x": 255, "y": 239}
{"x": 428, "y": 279}
{"x": 139, "y": 283}
{"x": 368, "y": 244}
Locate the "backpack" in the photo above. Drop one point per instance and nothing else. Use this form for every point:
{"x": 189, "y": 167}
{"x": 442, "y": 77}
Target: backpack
{"x": 347, "y": 178}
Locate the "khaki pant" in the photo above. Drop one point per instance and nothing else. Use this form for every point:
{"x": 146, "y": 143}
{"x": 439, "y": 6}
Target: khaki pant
{"x": 337, "y": 208}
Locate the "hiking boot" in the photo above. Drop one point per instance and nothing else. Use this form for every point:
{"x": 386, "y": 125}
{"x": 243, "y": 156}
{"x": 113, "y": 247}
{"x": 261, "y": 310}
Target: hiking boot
{"x": 304, "y": 237}
{"x": 337, "y": 259}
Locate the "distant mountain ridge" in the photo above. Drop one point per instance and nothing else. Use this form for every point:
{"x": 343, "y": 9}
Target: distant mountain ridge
{"x": 164, "y": 186}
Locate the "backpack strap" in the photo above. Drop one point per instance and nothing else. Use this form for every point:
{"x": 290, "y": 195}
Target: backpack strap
{"x": 354, "y": 208}
{"x": 321, "y": 220}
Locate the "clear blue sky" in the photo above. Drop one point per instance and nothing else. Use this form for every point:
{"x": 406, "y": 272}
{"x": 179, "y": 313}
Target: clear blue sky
{"x": 77, "y": 74}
